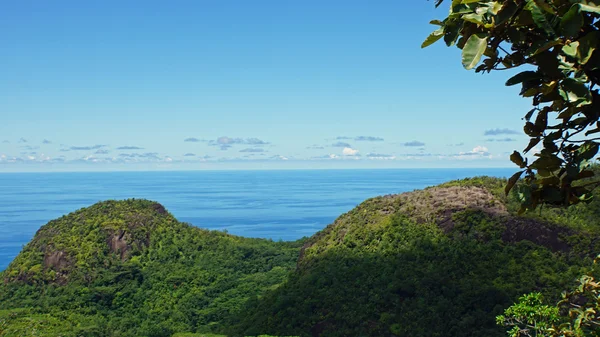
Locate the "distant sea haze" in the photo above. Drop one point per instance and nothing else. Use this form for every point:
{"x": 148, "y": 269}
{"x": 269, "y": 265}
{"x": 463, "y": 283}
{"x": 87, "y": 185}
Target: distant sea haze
{"x": 281, "y": 205}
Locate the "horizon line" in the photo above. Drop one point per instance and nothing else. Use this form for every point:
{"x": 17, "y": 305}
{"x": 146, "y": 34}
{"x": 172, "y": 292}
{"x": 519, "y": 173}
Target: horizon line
{"x": 266, "y": 169}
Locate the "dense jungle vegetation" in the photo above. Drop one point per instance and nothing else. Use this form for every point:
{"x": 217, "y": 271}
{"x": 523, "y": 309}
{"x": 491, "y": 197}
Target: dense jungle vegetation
{"x": 444, "y": 261}
{"x": 129, "y": 268}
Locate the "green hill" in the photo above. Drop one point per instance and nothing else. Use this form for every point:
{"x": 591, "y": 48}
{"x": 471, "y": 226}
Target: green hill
{"x": 443, "y": 261}
{"x": 129, "y": 268}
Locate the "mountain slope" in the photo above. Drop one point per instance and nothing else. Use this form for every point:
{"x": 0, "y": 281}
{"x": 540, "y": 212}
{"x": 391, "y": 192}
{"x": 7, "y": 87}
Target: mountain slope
{"x": 443, "y": 261}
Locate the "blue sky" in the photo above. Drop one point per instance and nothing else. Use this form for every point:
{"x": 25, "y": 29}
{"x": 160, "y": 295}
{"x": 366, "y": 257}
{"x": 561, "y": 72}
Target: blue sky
{"x": 131, "y": 85}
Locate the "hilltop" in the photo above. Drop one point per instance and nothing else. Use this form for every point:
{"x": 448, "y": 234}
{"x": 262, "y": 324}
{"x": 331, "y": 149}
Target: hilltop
{"x": 129, "y": 268}
{"x": 442, "y": 261}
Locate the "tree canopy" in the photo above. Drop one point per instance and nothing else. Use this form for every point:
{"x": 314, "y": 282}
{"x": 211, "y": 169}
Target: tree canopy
{"x": 575, "y": 315}
{"x": 555, "y": 45}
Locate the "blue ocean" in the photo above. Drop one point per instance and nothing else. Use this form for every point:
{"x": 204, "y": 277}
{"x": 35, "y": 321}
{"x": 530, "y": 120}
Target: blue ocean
{"x": 281, "y": 205}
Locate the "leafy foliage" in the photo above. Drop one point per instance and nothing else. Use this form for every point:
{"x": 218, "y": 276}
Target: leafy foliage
{"x": 555, "y": 42}
{"x": 577, "y": 314}
{"x": 529, "y": 317}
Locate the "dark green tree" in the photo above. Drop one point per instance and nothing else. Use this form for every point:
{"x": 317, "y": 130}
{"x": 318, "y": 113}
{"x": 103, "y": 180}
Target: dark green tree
{"x": 555, "y": 44}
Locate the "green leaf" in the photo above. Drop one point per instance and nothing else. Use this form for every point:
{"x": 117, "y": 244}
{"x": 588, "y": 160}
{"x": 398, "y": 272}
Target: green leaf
{"x": 532, "y": 143}
{"x": 554, "y": 136}
{"x": 544, "y": 173}
{"x": 588, "y": 150}
{"x": 567, "y": 113}
{"x": 495, "y": 7}
{"x": 529, "y": 114}
{"x": 551, "y": 180}
{"x": 516, "y": 158}
{"x": 525, "y": 197}
{"x": 582, "y": 49}
{"x": 522, "y": 77}
{"x": 571, "y": 22}
{"x": 589, "y": 8}
{"x": 587, "y": 45}
{"x": 530, "y": 130}
{"x": 549, "y": 163}
{"x": 585, "y": 174}
{"x": 552, "y": 194}
{"x": 571, "y": 49}
{"x": 473, "y": 50}
{"x": 591, "y": 132}
{"x": 547, "y": 46}
{"x": 574, "y": 91}
{"x": 433, "y": 37}
{"x": 540, "y": 19}
{"x": 545, "y": 6}
{"x": 474, "y": 18}
{"x": 512, "y": 181}
{"x": 541, "y": 121}
{"x": 509, "y": 8}
{"x": 451, "y": 32}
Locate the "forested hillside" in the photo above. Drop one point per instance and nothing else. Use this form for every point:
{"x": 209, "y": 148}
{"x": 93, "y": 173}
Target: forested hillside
{"x": 439, "y": 262}
{"x": 443, "y": 261}
{"x": 129, "y": 268}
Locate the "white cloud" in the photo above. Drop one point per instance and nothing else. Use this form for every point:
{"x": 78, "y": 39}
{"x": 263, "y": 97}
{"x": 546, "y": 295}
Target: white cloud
{"x": 327, "y": 156}
{"x": 380, "y": 156}
{"x": 348, "y": 151}
{"x": 477, "y": 152}
{"x": 480, "y": 149}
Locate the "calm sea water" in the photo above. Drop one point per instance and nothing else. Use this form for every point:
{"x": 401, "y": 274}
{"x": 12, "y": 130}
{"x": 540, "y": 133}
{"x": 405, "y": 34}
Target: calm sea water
{"x": 283, "y": 205}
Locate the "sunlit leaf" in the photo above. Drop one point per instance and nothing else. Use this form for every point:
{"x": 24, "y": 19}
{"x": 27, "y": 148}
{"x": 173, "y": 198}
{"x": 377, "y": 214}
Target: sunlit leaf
{"x": 433, "y": 37}
{"x": 473, "y": 50}
{"x": 590, "y": 8}
{"x": 474, "y": 18}
{"x": 574, "y": 91}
